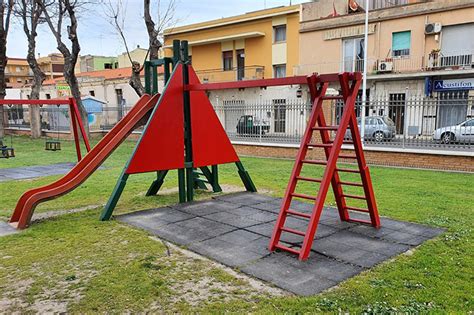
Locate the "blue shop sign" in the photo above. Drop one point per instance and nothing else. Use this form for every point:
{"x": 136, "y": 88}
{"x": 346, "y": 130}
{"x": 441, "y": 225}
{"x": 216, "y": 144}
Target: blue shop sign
{"x": 454, "y": 84}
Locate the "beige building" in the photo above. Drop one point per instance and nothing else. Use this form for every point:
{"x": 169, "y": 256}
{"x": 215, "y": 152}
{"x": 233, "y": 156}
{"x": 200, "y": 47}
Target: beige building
{"x": 417, "y": 48}
{"x": 138, "y": 54}
{"x": 17, "y": 73}
{"x": 52, "y": 65}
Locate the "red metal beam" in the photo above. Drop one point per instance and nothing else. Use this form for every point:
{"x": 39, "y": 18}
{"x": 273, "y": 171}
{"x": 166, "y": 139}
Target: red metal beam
{"x": 34, "y": 102}
{"x": 262, "y": 83}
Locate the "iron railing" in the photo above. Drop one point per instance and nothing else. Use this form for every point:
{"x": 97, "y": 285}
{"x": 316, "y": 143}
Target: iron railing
{"x": 434, "y": 61}
{"x": 234, "y": 74}
{"x": 392, "y": 121}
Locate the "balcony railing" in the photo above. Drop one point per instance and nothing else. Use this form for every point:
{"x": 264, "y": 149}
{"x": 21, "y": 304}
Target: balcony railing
{"x": 435, "y": 61}
{"x": 240, "y": 73}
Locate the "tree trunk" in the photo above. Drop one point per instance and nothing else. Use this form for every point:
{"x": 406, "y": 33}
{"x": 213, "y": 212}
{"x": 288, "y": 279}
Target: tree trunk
{"x": 135, "y": 80}
{"x": 38, "y": 78}
{"x": 3, "y": 64}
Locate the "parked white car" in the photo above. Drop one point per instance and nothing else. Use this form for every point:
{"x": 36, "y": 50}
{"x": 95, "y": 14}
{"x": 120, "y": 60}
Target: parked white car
{"x": 463, "y": 132}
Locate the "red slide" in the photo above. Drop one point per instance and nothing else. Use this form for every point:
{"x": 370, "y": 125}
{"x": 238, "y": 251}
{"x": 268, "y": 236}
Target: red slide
{"x": 78, "y": 174}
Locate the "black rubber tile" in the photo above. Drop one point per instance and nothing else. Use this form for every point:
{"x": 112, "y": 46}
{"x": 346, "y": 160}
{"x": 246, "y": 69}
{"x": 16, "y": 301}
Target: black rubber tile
{"x": 202, "y": 208}
{"x": 236, "y": 229}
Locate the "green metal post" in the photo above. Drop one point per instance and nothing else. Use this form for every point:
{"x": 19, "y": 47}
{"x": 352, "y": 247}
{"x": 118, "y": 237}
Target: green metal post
{"x": 211, "y": 178}
{"x": 245, "y": 177}
{"x": 147, "y": 77}
{"x": 167, "y": 70}
{"x": 157, "y": 183}
{"x": 114, "y": 198}
{"x": 188, "y": 149}
{"x": 215, "y": 178}
{"x": 181, "y": 185}
{"x": 155, "y": 79}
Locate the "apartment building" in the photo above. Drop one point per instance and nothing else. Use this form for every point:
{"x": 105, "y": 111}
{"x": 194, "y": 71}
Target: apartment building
{"x": 17, "y": 73}
{"x": 52, "y": 65}
{"x": 88, "y": 63}
{"x": 415, "y": 49}
{"x": 255, "y": 45}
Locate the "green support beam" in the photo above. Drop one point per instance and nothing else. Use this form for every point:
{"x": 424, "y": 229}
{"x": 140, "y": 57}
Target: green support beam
{"x": 114, "y": 198}
{"x": 245, "y": 177}
{"x": 157, "y": 183}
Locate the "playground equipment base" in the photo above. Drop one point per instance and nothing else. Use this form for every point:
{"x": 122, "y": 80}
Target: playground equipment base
{"x": 235, "y": 230}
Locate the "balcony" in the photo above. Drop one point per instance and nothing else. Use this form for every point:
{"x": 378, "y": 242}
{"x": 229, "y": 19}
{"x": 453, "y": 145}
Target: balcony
{"x": 435, "y": 61}
{"x": 235, "y": 74}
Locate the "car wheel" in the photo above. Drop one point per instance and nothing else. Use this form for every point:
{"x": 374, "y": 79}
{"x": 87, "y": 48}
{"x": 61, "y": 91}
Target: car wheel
{"x": 379, "y": 136}
{"x": 447, "y": 137}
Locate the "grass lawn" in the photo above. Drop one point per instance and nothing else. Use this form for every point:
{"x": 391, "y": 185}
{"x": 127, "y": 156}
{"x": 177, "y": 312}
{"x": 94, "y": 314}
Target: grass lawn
{"x": 76, "y": 263}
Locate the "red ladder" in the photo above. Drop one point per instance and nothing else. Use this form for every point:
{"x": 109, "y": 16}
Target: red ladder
{"x": 318, "y": 85}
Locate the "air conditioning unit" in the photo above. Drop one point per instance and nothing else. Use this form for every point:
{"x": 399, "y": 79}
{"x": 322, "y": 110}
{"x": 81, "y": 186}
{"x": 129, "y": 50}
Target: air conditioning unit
{"x": 385, "y": 66}
{"x": 433, "y": 28}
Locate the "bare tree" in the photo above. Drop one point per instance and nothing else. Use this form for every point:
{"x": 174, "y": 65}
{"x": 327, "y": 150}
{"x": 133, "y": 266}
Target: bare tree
{"x": 56, "y": 13}
{"x": 30, "y": 14}
{"x": 165, "y": 17}
{"x": 6, "y": 9}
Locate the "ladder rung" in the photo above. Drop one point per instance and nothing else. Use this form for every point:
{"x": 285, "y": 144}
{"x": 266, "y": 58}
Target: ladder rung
{"x": 293, "y": 231}
{"x": 347, "y": 170}
{"x": 303, "y": 196}
{"x": 299, "y": 214}
{"x": 308, "y": 179}
{"x": 345, "y": 156}
{"x": 343, "y": 142}
{"x": 354, "y": 196}
{"x": 288, "y": 249}
{"x": 357, "y": 209}
{"x": 333, "y": 97}
{"x": 325, "y": 128}
{"x": 317, "y": 162}
{"x": 351, "y": 184}
{"x": 359, "y": 221}
{"x": 320, "y": 145}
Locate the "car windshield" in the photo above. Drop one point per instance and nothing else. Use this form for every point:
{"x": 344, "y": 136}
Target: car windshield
{"x": 388, "y": 121}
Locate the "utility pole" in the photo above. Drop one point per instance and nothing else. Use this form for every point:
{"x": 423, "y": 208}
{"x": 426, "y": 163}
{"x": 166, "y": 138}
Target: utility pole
{"x": 364, "y": 79}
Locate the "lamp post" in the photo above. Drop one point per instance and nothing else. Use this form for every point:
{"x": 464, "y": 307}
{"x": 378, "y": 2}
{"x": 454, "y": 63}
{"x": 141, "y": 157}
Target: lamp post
{"x": 364, "y": 78}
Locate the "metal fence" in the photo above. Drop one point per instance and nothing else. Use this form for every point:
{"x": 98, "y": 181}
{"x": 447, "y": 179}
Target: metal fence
{"x": 393, "y": 121}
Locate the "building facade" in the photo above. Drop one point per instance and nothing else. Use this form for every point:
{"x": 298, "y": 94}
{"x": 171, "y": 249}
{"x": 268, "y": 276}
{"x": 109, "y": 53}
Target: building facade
{"x": 416, "y": 50}
{"x": 90, "y": 63}
{"x": 17, "y": 73}
{"x": 52, "y": 65}
{"x": 255, "y": 45}
{"x": 138, "y": 54}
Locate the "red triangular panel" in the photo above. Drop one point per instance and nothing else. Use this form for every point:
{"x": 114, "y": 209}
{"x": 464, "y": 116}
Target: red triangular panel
{"x": 161, "y": 147}
{"x": 211, "y": 145}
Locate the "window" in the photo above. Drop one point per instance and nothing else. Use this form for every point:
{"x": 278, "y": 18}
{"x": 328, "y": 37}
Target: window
{"x": 401, "y": 44}
{"x": 279, "y": 71}
{"x": 57, "y": 67}
{"x": 353, "y": 54}
{"x": 396, "y": 110}
{"x": 7, "y": 80}
{"x": 227, "y": 59}
{"x": 18, "y": 80}
{"x": 279, "y": 111}
{"x": 18, "y": 69}
{"x": 107, "y": 66}
{"x": 48, "y": 96}
{"x": 279, "y": 33}
{"x": 469, "y": 123}
{"x": 92, "y": 93}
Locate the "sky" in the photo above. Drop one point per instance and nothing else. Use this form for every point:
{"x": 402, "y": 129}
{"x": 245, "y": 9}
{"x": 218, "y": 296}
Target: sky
{"x": 98, "y": 37}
